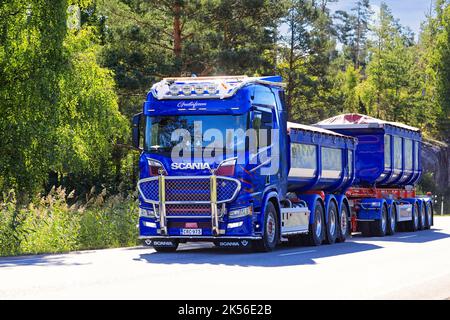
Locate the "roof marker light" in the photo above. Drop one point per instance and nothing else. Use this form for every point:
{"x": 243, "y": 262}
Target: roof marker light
{"x": 199, "y": 88}
{"x": 187, "y": 89}
{"x": 211, "y": 88}
{"x": 174, "y": 90}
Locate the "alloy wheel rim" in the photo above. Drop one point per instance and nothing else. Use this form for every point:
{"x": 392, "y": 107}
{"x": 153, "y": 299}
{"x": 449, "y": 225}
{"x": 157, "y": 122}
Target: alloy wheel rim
{"x": 270, "y": 228}
{"x": 332, "y": 222}
{"x": 318, "y": 225}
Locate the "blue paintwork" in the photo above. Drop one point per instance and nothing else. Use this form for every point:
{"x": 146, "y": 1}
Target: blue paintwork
{"x": 370, "y": 166}
{"x": 320, "y": 140}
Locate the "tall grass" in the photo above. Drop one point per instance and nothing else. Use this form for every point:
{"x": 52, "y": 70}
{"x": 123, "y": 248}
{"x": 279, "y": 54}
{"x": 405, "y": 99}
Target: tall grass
{"x": 50, "y": 225}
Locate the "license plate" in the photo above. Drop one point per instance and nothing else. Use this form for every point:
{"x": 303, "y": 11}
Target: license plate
{"x": 191, "y": 232}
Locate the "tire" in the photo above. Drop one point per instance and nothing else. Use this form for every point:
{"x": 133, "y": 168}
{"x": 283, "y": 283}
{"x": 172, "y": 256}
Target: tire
{"x": 316, "y": 232}
{"x": 332, "y": 227}
{"x": 270, "y": 232}
{"x": 344, "y": 224}
{"x": 413, "y": 225}
{"x": 166, "y": 249}
{"x": 422, "y": 217}
{"x": 379, "y": 226}
{"x": 429, "y": 216}
{"x": 392, "y": 221}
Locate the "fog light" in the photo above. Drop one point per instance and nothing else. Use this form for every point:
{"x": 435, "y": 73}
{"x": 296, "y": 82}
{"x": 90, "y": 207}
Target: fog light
{"x": 149, "y": 224}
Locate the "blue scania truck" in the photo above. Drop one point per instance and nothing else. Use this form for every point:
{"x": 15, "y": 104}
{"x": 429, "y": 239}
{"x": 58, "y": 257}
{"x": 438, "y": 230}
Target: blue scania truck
{"x": 219, "y": 162}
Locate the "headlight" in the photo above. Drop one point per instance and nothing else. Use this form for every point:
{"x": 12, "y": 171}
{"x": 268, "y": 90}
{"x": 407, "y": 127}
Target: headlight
{"x": 238, "y": 213}
{"x": 146, "y": 213}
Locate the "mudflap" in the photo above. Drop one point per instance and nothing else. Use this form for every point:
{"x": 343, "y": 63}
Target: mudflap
{"x": 163, "y": 243}
{"x": 229, "y": 243}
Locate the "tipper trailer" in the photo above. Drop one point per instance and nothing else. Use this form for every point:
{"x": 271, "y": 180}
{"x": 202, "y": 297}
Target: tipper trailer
{"x": 221, "y": 163}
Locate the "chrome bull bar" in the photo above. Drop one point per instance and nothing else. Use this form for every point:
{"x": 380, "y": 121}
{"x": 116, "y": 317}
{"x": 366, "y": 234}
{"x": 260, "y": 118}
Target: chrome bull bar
{"x": 213, "y": 200}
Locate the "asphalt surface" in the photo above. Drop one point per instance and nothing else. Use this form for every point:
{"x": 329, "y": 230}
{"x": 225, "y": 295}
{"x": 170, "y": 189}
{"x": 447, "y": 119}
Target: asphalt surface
{"x": 403, "y": 266}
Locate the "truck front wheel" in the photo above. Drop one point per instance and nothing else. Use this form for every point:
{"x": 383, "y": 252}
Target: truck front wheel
{"x": 270, "y": 232}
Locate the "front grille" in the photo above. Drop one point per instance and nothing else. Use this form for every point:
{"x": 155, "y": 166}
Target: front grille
{"x": 188, "y": 189}
{"x": 188, "y": 210}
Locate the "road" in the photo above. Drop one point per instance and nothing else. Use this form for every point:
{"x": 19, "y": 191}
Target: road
{"x": 403, "y": 266}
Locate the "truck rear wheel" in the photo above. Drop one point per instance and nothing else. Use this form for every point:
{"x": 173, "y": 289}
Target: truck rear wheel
{"x": 316, "y": 232}
{"x": 392, "y": 224}
{"x": 344, "y": 223}
{"x": 379, "y": 226}
{"x": 333, "y": 224}
{"x": 270, "y": 232}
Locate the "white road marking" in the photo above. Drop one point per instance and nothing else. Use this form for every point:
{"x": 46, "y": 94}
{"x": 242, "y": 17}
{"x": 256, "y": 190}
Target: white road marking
{"x": 410, "y": 236}
{"x": 298, "y": 252}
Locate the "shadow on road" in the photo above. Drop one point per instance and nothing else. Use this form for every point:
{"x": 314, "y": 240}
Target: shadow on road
{"x": 45, "y": 260}
{"x": 284, "y": 255}
{"x": 423, "y": 236}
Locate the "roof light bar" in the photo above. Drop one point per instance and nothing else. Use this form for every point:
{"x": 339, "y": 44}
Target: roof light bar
{"x": 206, "y": 87}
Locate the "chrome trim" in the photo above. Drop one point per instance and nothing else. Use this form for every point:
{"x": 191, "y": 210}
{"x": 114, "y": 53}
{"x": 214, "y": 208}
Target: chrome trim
{"x": 162, "y": 205}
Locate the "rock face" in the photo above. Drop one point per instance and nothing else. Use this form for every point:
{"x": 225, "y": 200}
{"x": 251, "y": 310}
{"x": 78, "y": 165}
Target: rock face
{"x": 435, "y": 158}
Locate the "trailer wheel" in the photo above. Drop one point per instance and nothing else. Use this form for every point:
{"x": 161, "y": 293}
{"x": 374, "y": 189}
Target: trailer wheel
{"x": 392, "y": 225}
{"x": 270, "y": 232}
{"x": 344, "y": 230}
{"x": 316, "y": 232}
{"x": 429, "y": 217}
{"x": 379, "y": 226}
{"x": 332, "y": 226}
{"x": 423, "y": 218}
{"x": 413, "y": 225}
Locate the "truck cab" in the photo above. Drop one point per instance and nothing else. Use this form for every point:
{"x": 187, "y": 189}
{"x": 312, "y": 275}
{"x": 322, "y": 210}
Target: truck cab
{"x": 213, "y": 155}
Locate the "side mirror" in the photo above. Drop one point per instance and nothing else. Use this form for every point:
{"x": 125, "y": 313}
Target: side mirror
{"x": 136, "y": 131}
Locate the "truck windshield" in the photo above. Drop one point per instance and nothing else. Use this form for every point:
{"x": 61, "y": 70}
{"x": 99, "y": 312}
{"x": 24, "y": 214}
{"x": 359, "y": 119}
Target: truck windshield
{"x": 159, "y": 130}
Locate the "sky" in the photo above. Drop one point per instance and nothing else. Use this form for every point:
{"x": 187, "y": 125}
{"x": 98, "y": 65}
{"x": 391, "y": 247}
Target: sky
{"x": 411, "y": 13}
